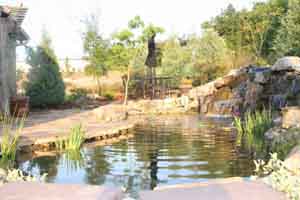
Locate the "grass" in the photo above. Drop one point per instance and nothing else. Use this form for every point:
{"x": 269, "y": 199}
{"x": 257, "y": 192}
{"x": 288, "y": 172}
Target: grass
{"x": 253, "y": 127}
{"x": 73, "y": 141}
{"x": 11, "y": 129}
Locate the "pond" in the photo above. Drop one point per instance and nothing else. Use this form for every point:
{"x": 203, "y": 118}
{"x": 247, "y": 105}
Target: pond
{"x": 164, "y": 150}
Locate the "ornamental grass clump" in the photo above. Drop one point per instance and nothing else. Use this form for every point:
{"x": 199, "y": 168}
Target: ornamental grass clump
{"x": 73, "y": 141}
{"x": 253, "y": 127}
{"x": 11, "y": 130}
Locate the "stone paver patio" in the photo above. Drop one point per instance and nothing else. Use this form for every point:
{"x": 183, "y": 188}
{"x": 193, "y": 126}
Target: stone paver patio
{"x": 48, "y": 126}
{"x": 227, "y": 189}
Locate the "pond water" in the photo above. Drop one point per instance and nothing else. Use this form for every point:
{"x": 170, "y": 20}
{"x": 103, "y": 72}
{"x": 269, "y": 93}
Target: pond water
{"x": 164, "y": 150}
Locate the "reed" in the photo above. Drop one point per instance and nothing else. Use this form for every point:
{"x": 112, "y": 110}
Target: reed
{"x": 73, "y": 141}
{"x": 11, "y": 130}
{"x": 253, "y": 127}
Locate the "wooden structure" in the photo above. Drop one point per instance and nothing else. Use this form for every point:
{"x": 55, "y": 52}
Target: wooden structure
{"x": 163, "y": 87}
{"x": 11, "y": 36}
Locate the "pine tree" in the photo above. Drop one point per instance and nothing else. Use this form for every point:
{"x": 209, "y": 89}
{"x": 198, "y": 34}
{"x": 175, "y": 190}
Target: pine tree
{"x": 45, "y": 85}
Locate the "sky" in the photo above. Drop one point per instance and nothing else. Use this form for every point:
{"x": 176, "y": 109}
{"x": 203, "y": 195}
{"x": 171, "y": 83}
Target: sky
{"x": 63, "y": 18}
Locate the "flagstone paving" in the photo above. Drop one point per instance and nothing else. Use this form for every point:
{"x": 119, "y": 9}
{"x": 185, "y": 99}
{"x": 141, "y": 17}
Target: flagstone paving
{"x": 49, "y": 126}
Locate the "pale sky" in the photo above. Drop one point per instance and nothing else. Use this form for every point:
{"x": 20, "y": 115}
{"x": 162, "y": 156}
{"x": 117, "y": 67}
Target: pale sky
{"x": 61, "y": 18}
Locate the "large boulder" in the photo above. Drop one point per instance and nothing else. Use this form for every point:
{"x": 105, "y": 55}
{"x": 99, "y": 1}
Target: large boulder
{"x": 293, "y": 161}
{"x": 290, "y": 63}
{"x": 253, "y": 94}
{"x": 111, "y": 113}
{"x": 291, "y": 117}
{"x": 263, "y": 76}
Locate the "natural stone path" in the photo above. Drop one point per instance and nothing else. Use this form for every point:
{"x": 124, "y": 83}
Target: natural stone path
{"x": 48, "y": 126}
{"x": 35, "y": 191}
{"x": 227, "y": 189}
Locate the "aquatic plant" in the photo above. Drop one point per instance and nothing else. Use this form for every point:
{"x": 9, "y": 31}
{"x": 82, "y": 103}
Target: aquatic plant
{"x": 253, "y": 127}
{"x": 277, "y": 175}
{"x": 11, "y": 130}
{"x": 74, "y": 140}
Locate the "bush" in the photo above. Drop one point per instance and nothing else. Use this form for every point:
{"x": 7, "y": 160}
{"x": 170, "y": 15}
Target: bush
{"x": 76, "y": 94}
{"x": 45, "y": 85}
{"x": 277, "y": 175}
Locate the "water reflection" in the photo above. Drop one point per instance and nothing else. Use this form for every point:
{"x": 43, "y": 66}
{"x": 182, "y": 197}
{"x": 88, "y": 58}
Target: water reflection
{"x": 165, "y": 150}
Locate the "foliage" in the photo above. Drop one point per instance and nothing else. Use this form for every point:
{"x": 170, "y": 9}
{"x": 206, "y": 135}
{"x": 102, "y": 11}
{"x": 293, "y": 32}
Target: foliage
{"x": 76, "y": 94}
{"x": 279, "y": 177}
{"x": 96, "y": 49}
{"x": 16, "y": 175}
{"x": 202, "y": 58}
{"x": 128, "y": 45}
{"x": 288, "y": 39}
{"x": 45, "y": 85}
{"x": 253, "y": 128}
{"x": 110, "y": 96}
{"x": 74, "y": 140}
{"x": 251, "y": 33}
{"x": 11, "y": 130}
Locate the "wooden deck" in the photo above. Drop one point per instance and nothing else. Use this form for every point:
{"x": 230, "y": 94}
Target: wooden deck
{"x": 43, "y": 128}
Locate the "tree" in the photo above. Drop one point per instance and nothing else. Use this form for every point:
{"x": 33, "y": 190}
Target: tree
{"x": 68, "y": 66}
{"x": 129, "y": 45}
{"x": 256, "y": 25}
{"x": 288, "y": 38}
{"x": 96, "y": 49}
{"x": 177, "y": 59}
{"x": 45, "y": 85}
{"x": 123, "y": 53}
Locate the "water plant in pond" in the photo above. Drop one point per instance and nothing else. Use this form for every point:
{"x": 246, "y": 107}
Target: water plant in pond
{"x": 11, "y": 130}
{"x": 73, "y": 160}
{"x": 253, "y": 127}
{"x": 74, "y": 140}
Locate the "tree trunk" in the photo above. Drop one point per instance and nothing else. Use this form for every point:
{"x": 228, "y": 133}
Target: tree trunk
{"x": 99, "y": 88}
{"x": 126, "y": 86}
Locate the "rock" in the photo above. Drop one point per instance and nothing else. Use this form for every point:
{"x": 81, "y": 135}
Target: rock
{"x": 291, "y": 117}
{"x": 111, "y": 113}
{"x": 278, "y": 101}
{"x": 295, "y": 88}
{"x": 272, "y": 133}
{"x": 262, "y": 77}
{"x": 3, "y": 175}
{"x": 293, "y": 161}
{"x": 231, "y": 80}
{"x": 291, "y": 63}
{"x": 253, "y": 94}
{"x": 37, "y": 191}
{"x": 204, "y": 90}
{"x": 226, "y": 107}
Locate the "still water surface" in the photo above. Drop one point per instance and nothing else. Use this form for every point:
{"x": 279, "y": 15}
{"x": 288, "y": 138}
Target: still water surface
{"x": 164, "y": 150}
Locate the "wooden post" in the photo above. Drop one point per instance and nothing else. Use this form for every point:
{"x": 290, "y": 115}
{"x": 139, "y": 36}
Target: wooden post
{"x": 7, "y": 62}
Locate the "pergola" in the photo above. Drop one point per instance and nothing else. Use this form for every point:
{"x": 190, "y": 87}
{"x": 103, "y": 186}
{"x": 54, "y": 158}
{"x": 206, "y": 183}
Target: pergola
{"x": 11, "y": 36}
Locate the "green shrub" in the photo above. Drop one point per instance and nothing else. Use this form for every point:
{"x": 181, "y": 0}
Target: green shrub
{"x": 76, "y": 94}
{"x": 109, "y": 96}
{"x": 45, "y": 85}
{"x": 279, "y": 177}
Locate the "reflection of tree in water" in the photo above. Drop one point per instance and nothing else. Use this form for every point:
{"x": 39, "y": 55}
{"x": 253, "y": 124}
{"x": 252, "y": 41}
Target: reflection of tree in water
{"x": 97, "y": 166}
